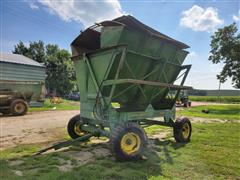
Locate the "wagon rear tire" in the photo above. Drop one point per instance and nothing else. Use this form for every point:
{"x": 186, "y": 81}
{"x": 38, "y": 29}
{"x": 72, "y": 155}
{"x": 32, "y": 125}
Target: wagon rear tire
{"x": 128, "y": 141}
{"x": 182, "y": 130}
{"x": 74, "y": 127}
{"x": 18, "y": 107}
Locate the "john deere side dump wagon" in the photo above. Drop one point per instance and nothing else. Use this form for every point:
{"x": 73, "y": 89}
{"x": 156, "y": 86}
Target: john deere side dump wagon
{"x": 125, "y": 73}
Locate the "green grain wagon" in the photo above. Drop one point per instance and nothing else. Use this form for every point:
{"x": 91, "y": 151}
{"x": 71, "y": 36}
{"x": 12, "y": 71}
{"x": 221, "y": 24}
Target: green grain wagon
{"x": 125, "y": 71}
{"x": 21, "y": 84}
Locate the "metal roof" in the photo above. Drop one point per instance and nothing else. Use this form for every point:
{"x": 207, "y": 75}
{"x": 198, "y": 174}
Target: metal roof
{"x": 18, "y": 59}
{"x": 132, "y": 22}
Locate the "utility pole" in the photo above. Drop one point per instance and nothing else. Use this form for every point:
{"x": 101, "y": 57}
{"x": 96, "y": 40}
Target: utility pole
{"x": 219, "y": 92}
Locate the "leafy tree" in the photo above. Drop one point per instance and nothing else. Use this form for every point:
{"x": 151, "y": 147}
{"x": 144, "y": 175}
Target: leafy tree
{"x": 61, "y": 76}
{"x": 20, "y": 48}
{"x": 60, "y": 73}
{"x": 225, "y": 48}
{"x": 35, "y": 50}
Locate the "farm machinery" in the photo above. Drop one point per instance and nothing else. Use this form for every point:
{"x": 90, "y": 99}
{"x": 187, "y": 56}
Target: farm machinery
{"x": 126, "y": 73}
{"x": 183, "y": 99}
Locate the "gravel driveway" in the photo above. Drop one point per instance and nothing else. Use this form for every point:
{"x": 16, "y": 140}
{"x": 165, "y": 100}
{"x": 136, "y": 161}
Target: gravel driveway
{"x": 35, "y": 127}
{"x": 41, "y": 127}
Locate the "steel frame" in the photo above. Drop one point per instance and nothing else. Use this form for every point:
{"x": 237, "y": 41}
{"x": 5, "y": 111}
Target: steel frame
{"x": 111, "y": 116}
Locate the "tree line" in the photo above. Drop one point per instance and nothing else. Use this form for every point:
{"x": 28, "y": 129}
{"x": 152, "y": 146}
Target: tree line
{"x": 61, "y": 77}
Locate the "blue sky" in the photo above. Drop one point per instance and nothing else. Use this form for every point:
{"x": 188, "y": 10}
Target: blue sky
{"x": 59, "y": 22}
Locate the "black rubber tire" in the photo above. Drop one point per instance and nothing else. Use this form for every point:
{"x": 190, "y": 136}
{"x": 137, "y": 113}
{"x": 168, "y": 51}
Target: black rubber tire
{"x": 18, "y": 102}
{"x": 189, "y": 104}
{"x": 71, "y": 126}
{"x": 178, "y": 130}
{"x": 117, "y": 135}
{"x": 185, "y": 104}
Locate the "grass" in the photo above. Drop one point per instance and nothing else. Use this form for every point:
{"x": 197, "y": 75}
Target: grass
{"x": 213, "y": 153}
{"x": 223, "y": 99}
{"x": 228, "y": 112}
{"x": 19, "y": 151}
{"x": 65, "y": 105}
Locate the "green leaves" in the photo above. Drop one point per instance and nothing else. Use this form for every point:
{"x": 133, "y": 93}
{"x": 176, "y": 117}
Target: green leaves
{"x": 225, "y": 48}
{"x": 60, "y": 72}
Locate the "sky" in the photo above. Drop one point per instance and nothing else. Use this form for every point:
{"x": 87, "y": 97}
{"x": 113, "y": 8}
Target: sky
{"x": 60, "y": 21}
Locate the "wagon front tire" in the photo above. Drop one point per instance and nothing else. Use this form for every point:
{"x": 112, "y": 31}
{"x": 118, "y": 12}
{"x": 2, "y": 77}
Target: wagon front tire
{"x": 128, "y": 141}
{"x": 74, "y": 127}
{"x": 18, "y": 107}
{"x": 182, "y": 130}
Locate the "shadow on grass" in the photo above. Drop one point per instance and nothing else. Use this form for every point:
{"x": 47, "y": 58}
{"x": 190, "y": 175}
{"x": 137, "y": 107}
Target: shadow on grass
{"x": 166, "y": 149}
{"x": 157, "y": 154}
{"x": 101, "y": 164}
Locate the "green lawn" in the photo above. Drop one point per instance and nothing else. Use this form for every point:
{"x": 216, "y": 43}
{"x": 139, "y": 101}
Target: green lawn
{"x": 229, "y": 112}
{"x": 65, "y": 105}
{"x": 223, "y": 99}
{"x": 213, "y": 153}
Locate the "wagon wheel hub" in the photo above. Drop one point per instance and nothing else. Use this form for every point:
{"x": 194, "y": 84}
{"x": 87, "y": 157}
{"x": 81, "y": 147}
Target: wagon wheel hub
{"x": 77, "y": 129}
{"x": 130, "y": 143}
{"x": 19, "y": 108}
{"x": 186, "y": 130}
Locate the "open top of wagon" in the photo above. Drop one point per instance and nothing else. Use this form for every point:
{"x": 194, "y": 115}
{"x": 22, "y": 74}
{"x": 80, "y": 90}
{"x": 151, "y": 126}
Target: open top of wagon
{"x": 126, "y": 73}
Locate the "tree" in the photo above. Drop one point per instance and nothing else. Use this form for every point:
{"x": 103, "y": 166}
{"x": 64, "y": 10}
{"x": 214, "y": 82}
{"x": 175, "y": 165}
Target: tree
{"x": 60, "y": 73}
{"x": 20, "y": 48}
{"x": 225, "y": 48}
{"x": 61, "y": 76}
{"x": 35, "y": 50}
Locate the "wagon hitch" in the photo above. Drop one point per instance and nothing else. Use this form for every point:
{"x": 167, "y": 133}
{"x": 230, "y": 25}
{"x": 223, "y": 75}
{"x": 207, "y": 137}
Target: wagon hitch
{"x": 64, "y": 144}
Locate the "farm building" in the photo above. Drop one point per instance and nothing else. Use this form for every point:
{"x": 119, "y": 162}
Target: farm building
{"x": 21, "y": 78}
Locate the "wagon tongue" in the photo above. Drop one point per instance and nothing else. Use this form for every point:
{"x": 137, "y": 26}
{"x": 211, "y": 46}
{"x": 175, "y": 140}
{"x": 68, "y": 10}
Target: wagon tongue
{"x": 64, "y": 144}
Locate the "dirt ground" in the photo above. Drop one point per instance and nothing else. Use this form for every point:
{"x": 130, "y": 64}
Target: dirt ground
{"x": 43, "y": 127}
{"x": 35, "y": 127}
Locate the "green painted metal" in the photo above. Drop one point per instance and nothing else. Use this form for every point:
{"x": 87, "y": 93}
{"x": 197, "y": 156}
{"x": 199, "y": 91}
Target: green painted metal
{"x": 126, "y": 72}
{"x": 30, "y": 91}
{"x": 21, "y": 81}
{"x": 21, "y": 72}
{"x": 64, "y": 144}
{"x": 130, "y": 67}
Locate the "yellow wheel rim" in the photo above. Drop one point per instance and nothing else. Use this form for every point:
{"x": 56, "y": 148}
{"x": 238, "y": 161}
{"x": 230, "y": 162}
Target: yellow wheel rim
{"x": 77, "y": 129}
{"x": 186, "y": 130}
{"x": 130, "y": 143}
{"x": 19, "y": 107}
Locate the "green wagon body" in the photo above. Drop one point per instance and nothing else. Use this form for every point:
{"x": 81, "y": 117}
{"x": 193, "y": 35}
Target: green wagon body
{"x": 125, "y": 71}
{"x": 120, "y": 55}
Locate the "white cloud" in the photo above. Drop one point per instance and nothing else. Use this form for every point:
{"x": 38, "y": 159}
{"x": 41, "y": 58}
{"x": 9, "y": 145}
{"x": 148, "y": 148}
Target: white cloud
{"x": 84, "y": 12}
{"x": 236, "y": 17}
{"x": 200, "y": 19}
{"x": 32, "y": 4}
{"x": 191, "y": 56}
